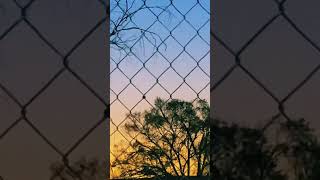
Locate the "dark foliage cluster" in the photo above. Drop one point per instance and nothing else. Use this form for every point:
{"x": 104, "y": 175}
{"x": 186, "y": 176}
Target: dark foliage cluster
{"x": 174, "y": 140}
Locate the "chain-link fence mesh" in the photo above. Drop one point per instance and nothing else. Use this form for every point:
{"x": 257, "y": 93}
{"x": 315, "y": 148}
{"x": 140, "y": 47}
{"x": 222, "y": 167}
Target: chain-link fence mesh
{"x": 158, "y": 49}
{"x": 53, "y": 69}
{"x": 172, "y": 44}
{"x": 265, "y": 63}
{"x": 278, "y": 18}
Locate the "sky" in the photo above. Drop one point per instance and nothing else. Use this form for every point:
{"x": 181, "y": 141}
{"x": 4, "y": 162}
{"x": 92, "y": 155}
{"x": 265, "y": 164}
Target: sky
{"x": 156, "y": 62}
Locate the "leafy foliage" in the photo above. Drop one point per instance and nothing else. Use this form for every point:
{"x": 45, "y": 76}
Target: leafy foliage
{"x": 173, "y": 140}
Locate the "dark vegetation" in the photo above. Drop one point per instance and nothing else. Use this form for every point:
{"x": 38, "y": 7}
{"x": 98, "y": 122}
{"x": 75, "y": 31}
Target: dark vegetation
{"x": 174, "y": 141}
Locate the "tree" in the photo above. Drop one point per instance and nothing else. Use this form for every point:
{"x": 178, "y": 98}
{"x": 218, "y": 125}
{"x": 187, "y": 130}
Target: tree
{"x": 304, "y": 150}
{"x": 173, "y": 141}
{"x": 122, "y": 28}
{"x": 247, "y": 153}
{"x": 83, "y": 169}
{"x": 241, "y": 153}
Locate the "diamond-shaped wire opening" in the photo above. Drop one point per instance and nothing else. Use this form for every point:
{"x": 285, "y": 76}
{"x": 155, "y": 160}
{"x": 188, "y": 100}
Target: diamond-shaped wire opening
{"x": 118, "y": 55}
{"x": 157, "y": 65}
{"x": 197, "y": 17}
{"x": 184, "y": 64}
{"x": 184, "y": 92}
{"x": 170, "y": 81}
{"x": 197, "y": 79}
{"x": 134, "y": 94}
{"x": 250, "y": 113}
{"x": 145, "y": 47}
{"x": 266, "y": 59}
{"x": 184, "y": 33}
{"x": 163, "y": 31}
{"x": 118, "y": 81}
{"x": 157, "y": 92}
{"x": 61, "y": 103}
{"x": 37, "y": 63}
{"x": 130, "y": 65}
{"x": 143, "y": 81}
{"x": 170, "y": 49}
{"x": 141, "y": 21}
{"x": 202, "y": 49}
{"x": 170, "y": 18}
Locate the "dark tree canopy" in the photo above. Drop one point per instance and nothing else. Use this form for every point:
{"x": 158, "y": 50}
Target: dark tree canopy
{"x": 173, "y": 139}
{"x": 83, "y": 169}
{"x": 241, "y": 153}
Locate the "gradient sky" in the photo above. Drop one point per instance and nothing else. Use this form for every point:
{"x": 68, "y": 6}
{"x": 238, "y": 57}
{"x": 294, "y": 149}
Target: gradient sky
{"x": 198, "y": 48}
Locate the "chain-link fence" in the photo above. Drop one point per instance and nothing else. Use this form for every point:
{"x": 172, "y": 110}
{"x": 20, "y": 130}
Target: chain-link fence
{"x": 239, "y": 63}
{"x": 162, "y": 60}
{"x": 53, "y": 68}
{"x": 159, "y": 49}
{"x": 265, "y": 62}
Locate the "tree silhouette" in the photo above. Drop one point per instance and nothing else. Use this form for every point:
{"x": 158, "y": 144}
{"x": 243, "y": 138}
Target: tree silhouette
{"x": 241, "y": 153}
{"x": 83, "y": 169}
{"x": 247, "y": 153}
{"x": 123, "y": 29}
{"x": 173, "y": 140}
{"x": 303, "y": 150}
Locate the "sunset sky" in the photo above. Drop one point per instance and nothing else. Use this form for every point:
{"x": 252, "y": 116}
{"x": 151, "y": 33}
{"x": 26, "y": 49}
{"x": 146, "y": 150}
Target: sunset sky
{"x": 280, "y": 58}
{"x": 184, "y": 61}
